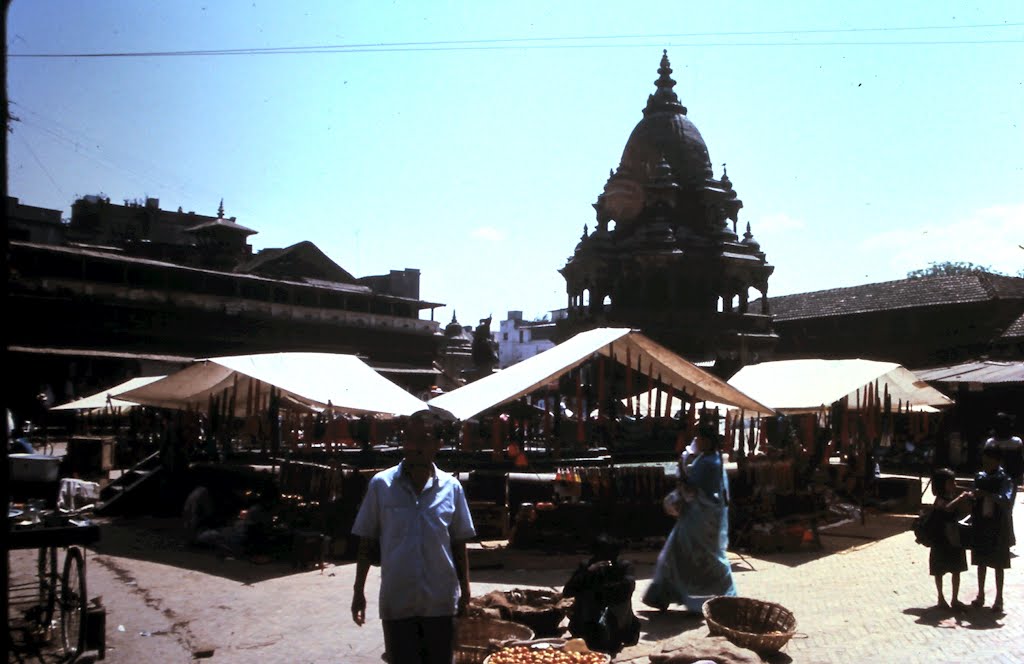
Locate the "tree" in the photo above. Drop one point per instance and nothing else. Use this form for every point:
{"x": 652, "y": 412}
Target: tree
{"x": 951, "y": 269}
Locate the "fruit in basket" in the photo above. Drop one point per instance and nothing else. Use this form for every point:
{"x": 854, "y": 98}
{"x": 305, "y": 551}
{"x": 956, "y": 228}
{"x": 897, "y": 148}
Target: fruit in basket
{"x": 531, "y": 655}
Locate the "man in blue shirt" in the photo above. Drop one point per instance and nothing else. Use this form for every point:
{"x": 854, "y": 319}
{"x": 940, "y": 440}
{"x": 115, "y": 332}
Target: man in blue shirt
{"x": 419, "y": 516}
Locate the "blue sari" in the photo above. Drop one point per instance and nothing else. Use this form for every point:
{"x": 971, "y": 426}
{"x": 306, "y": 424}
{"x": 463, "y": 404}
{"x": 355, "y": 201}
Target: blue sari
{"x": 693, "y": 566}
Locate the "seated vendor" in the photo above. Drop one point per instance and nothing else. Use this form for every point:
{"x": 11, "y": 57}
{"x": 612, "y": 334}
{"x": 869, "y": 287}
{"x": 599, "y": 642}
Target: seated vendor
{"x": 602, "y": 614}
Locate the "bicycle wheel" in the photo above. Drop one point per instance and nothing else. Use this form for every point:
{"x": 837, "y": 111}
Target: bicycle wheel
{"x": 73, "y": 603}
{"x": 46, "y": 568}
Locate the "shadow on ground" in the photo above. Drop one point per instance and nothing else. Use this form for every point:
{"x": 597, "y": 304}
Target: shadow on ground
{"x": 970, "y": 618}
{"x": 163, "y": 541}
{"x": 662, "y": 625}
{"x": 836, "y": 539}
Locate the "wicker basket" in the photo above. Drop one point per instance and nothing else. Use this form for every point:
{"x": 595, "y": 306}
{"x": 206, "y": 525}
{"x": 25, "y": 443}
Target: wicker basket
{"x": 764, "y": 627}
{"x": 476, "y": 638}
{"x": 540, "y": 610}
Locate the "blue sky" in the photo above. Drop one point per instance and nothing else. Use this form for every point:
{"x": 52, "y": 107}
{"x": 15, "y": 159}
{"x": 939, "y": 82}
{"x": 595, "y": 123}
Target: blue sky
{"x": 865, "y": 141}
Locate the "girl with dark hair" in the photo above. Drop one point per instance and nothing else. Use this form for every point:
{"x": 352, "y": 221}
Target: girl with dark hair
{"x": 945, "y": 557}
{"x": 1011, "y": 453}
{"x": 990, "y": 518}
{"x": 693, "y": 566}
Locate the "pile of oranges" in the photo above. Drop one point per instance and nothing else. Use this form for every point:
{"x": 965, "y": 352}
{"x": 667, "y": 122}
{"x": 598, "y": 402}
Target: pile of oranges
{"x": 528, "y": 655}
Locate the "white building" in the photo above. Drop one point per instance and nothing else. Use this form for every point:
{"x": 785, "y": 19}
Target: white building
{"x": 518, "y": 339}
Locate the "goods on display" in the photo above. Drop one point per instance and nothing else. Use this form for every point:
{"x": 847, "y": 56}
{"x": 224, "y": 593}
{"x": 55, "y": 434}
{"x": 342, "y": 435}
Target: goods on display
{"x": 548, "y": 655}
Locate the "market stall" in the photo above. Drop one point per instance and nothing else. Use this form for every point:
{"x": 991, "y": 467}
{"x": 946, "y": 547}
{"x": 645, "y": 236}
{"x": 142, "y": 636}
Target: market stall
{"x": 982, "y": 388}
{"x": 835, "y": 418}
{"x": 292, "y": 417}
{"x": 311, "y": 380}
{"x": 584, "y": 433}
{"x": 110, "y": 397}
{"x": 296, "y": 401}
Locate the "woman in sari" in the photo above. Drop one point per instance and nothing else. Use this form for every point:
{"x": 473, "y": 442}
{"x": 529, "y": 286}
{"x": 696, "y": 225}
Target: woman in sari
{"x": 692, "y": 566}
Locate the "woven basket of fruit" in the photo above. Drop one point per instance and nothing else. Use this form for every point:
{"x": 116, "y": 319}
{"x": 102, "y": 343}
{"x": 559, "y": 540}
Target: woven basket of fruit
{"x": 475, "y": 638}
{"x": 548, "y": 651}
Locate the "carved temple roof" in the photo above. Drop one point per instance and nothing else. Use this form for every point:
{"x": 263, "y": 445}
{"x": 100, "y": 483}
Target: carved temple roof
{"x": 666, "y": 133}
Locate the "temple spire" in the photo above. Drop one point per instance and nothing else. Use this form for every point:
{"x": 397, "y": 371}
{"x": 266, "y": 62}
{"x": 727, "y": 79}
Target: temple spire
{"x": 220, "y": 210}
{"x": 664, "y": 98}
{"x": 748, "y": 239}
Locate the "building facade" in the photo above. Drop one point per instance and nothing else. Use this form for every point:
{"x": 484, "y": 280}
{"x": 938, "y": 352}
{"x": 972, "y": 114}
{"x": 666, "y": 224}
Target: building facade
{"x": 518, "y": 339}
{"x": 135, "y": 280}
{"x": 920, "y": 322}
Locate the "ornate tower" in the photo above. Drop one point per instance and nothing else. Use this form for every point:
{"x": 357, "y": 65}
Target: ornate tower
{"x": 665, "y": 256}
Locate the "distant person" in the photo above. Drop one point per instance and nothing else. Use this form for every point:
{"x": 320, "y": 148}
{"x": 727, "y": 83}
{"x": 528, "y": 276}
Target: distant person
{"x": 990, "y": 518}
{"x": 18, "y": 442}
{"x": 198, "y": 513}
{"x": 693, "y": 565}
{"x": 1011, "y": 457}
{"x": 602, "y": 613}
{"x": 419, "y": 516}
{"x": 945, "y": 557}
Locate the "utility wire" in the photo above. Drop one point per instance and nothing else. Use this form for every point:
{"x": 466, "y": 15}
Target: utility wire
{"x": 139, "y": 170}
{"x": 326, "y": 51}
{"x": 566, "y": 42}
{"x": 41, "y": 166}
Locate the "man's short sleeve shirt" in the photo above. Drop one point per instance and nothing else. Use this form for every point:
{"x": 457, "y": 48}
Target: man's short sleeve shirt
{"x": 415, "y": 531}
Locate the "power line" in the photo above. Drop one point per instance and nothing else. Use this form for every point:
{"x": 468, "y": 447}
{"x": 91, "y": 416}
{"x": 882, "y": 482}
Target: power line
{"x": 138, "y": 170}
{"x": 44, "y": 169}
{"x": 559, "y": 42}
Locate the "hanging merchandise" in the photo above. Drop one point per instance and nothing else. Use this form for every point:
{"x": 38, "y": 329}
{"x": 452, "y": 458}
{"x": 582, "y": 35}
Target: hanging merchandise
{"x": 580, "y": 431}
{"x": 496, "y": 438}
{"x": 629, "y": 383}
{"x": 727, "y": 444}
{"x": 741, "y": 430}
{"x": 691, "y": 419}
{"x": 807, "y": 435}
{"x": 657, "y": 398}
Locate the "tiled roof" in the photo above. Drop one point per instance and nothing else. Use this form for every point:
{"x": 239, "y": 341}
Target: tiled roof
{"x": 1016, "y": 328}
{"x": 901, "y": 294}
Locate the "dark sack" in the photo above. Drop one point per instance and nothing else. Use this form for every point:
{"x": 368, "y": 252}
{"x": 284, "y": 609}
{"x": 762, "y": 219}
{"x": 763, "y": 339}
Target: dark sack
{"x": 928, "y": 528}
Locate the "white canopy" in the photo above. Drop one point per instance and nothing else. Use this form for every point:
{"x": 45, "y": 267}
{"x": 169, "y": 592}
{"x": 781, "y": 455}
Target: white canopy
{"x": 535, "y": 372}
{"x": 309, "y": 379}
{"x": 793, "y": 386}
{"x": 108, "y": 396}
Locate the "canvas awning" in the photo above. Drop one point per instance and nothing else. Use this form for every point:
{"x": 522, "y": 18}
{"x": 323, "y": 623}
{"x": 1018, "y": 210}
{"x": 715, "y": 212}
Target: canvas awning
{"x": 108, "y": 397}
{"x": 794, "y": 386}
{"x": 982, "y": 371}
{"x": 535, "y": 372}
{"x": 308, "y": 379}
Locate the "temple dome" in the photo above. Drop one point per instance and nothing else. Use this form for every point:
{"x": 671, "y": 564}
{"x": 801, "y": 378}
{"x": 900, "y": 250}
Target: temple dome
{"x": 665, "y": 133}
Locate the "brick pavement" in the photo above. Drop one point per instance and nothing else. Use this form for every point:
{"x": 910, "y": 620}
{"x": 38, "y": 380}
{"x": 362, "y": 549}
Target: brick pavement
{"x": 867, "y": 597}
